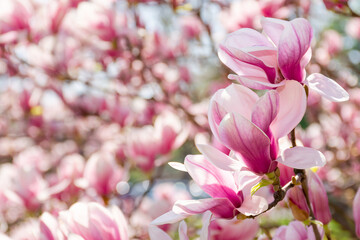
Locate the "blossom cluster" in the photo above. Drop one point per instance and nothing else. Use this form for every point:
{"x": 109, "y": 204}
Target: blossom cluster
{"x": 245, "y": 101}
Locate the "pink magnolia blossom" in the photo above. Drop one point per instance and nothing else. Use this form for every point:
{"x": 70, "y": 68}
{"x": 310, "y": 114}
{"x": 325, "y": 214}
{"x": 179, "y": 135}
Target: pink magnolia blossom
{"x": 191, "y": 26}
{"x": 164, "y": 197}
{"x": 92, "y": 221}
{"x": 296, "y": 230}
{"x": 241, "y": 14}
{"x": 49, "y": 228}
{"x": 146, "y": 144}
{"x": 318, "y": 198}
{"x": 223, "y": 229}
{"x": 298, "y": 204}
{"x": 156, "y": 233}
{"x": 252, "y": 129}
{"x": 229, "y": 191}
{"x": 14, "y": 19}
{"x": 356, "y": 212}
{"x": 337, "y": 5}
{"x": 102, "y": 173}
{"x": 264, "y": 61}
{"x": 353, "y": 27}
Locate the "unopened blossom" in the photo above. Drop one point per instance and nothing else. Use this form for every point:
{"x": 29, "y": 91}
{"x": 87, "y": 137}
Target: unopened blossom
{"x": 92, "y": 221}
{"x": 251, "y": 126}
{"x": 356, "y": 212}
{"x": 298, "y": 204}
{"x": 318, "y": 198}
{"x": 264, "y": 61}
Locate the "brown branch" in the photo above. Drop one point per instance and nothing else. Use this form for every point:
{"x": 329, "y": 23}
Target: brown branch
{"x": 305, "y": 188}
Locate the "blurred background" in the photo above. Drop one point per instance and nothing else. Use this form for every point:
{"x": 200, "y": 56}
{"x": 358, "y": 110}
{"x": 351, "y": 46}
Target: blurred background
{"x": 97, "y": 96}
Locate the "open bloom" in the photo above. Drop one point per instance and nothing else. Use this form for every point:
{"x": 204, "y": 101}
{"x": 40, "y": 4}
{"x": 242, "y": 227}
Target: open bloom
{"x": 296, "y": 230}
{"x": 264, "y": 61}
{"x": 251, "y": 126}
{"x": 93, "y": 221}
{"x": 229, "y": 192}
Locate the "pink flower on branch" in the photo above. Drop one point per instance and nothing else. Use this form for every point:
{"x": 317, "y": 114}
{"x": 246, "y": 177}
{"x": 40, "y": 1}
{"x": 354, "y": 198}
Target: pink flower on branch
{"x": 264, "y": 61}
{"x": 230, "y": 192}
{"x": 251, "y": 126}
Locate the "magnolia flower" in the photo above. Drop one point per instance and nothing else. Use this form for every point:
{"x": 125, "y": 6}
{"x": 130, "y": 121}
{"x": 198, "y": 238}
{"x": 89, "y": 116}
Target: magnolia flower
{"x": 49, "y": 228}
{"x": 233, "y": 229}
{"x": 251, "y": 126}
{"x": 92, "y": 221}
{"x": 264, "y": 61}
{"x": 15, "y": 16}
{"x": 156, "y": 233}
{"x": 353, "y": 28}
{"x": 146, "y": 144}
{"x": 356, "y": 211}
{"x": 296, "y": 230}
{"x": 318, "y": 198}
{"x": 229, "y": 191}
{"x": 102, "y": 173}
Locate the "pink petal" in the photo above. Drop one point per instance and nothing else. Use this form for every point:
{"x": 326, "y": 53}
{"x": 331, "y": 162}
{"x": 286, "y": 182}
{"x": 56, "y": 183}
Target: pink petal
{"x": 259, "y": 83}
{"x": 327, "y": 87}
{"x": 223, "y": 102}
{"x": 273, "y": 28}
{"x": 356, "y": 212}
{"x": 169, "y": 218}
{"x": 245, "y": 38}
{"x": 245, "y": 180}
{"x": 265, "y": 110}
{"x": 293, "y": 45}
{"x": 178, "y": 166}
{"x": 206, "y": 220}
{"x": 242, "y": 136}
{"x": 183, "y": 231}
{"x": 249, "y": 53}
{"x": 242, "y": 56}
{"x": 318, "y": 198}
{"x": 292, "y": 107}
{"x": 296, "y": 230}
{"x": 293, "y": 40}
{"x": 156, "y": 233}
{"x": 221, "y": 207}
{"x": 253, "y": 205}
{"x": 302, "y": 158}
{"x": 219, "y": 159}
{"x": 214, "y": 181}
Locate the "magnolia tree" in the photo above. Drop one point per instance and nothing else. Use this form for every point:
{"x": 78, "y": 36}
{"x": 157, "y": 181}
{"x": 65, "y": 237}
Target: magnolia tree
{"x": 179, "y": 119}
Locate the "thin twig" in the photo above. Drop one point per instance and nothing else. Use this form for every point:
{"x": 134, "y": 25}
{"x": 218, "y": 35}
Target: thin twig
{"x": 305, "y": 189}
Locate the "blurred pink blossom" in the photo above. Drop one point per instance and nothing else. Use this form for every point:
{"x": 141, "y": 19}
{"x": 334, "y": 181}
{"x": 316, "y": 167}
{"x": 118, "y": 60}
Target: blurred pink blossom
{"x": 92, "y": 221}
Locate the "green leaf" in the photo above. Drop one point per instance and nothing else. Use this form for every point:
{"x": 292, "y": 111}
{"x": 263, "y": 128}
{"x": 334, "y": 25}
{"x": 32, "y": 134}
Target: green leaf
{"x": 262, "y": 183}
